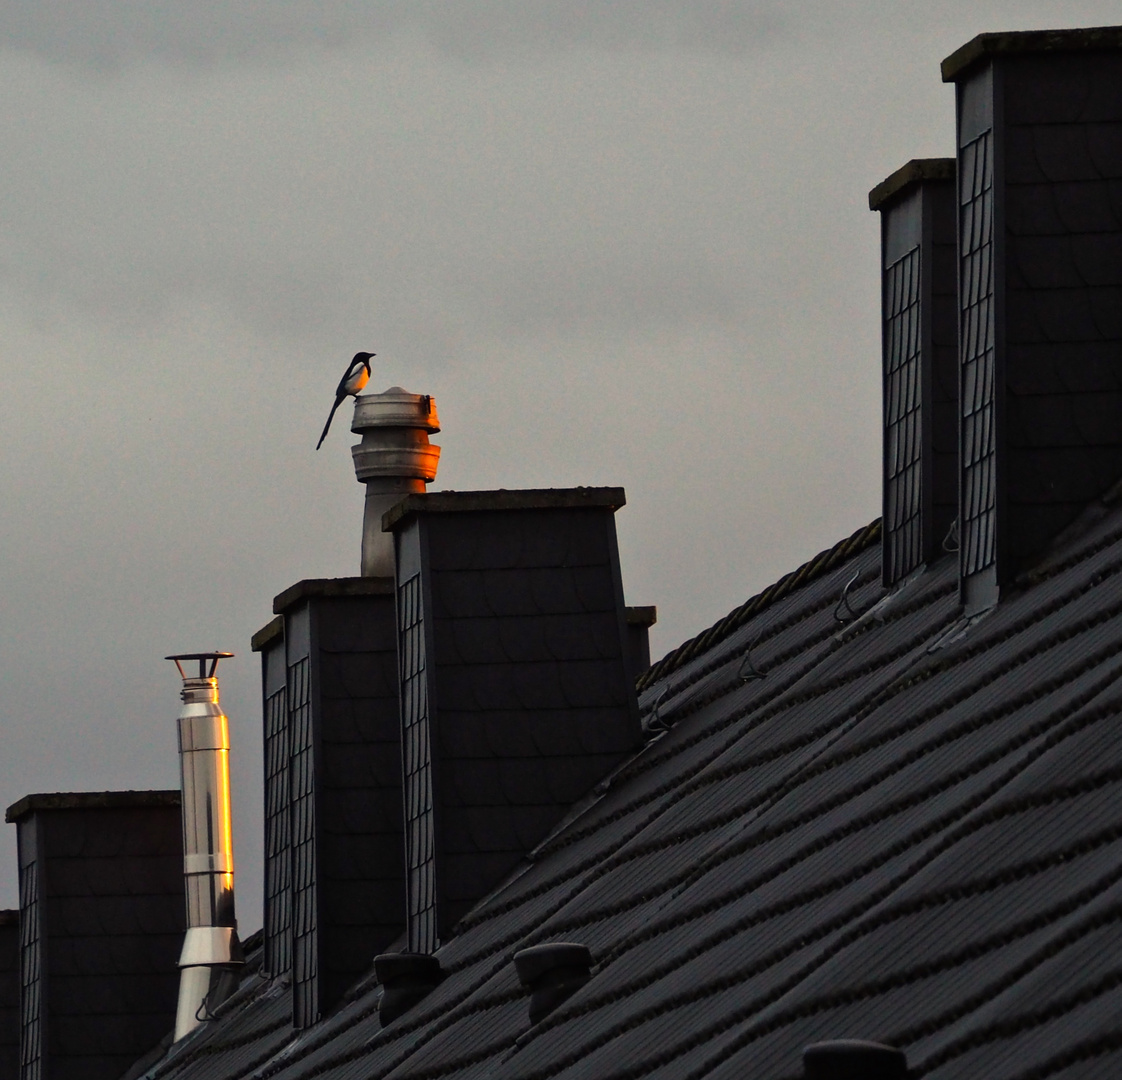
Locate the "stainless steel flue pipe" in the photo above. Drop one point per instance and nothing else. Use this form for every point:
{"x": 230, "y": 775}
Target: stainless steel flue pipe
{"x": 211, "y": 949}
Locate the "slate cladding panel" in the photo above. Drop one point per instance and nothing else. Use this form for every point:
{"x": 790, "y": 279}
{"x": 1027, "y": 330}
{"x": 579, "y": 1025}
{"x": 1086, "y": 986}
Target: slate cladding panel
{"x": 420, "y": 834}
{"x": 344, "y": 789}
{"x": 102, "y": 923}
{"x": 277, "y": 930}
{"x": 9, "y": 994}
{"x": 977, "y": 331}
{"x": 32, "y": 1021}
{"x": 1041, "y": 284}
{"x": 919, "y": 349}
{"x": 526, "y": 699}
{"x": 903, "y": 419}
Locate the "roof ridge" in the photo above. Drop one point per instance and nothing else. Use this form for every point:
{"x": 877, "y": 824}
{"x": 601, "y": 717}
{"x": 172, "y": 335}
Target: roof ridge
{"x": 814, "y": 568}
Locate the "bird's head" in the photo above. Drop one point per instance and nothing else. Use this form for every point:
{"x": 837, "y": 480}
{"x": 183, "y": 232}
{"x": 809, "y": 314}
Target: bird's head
{"x": 363, "y": 358}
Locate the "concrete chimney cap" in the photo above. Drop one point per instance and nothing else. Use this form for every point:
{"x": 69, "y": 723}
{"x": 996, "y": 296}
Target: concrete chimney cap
{"x": 88, "y": 800}
{"x": 907, "y": 176}
{"x": 986, "y": 46}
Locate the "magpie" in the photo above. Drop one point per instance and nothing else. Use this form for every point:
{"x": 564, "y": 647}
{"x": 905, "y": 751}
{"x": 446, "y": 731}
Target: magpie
{"x": 354, "y": 379}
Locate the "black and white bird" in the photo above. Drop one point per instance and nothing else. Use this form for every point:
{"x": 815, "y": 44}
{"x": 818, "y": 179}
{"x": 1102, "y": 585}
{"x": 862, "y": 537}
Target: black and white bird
{"x": 354, "y": 379}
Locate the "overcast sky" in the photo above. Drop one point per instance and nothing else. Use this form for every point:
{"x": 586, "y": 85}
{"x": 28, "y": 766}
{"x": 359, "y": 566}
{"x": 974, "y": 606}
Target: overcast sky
{"x": 621, "y": 242}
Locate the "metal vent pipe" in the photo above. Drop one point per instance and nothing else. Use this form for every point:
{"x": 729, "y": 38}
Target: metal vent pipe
{"x": 211, "y": 949}
{"x": 394, "y": 459}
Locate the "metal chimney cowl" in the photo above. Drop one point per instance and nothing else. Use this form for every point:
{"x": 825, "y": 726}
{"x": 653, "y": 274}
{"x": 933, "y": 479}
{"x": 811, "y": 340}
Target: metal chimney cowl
{"x": 394, "y": 459}
{"x": 211, "y": 949}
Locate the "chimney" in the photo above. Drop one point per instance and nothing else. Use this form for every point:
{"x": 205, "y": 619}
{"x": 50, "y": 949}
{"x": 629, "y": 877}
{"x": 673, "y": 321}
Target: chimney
{"x": 9, "y": 994}
{"x": 394, "y": 459}
{"x": 919, "y": 363}
{"x": 1040, "y": 291}
{"x": 517, "y": 690}
{"x": 334, "y": 871}
{"x": 101, "y": 924}
{"x": 211, "y": 950}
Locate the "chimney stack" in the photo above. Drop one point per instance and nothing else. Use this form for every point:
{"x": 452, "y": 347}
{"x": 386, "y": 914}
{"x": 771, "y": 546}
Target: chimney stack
{"x": 517, "y": 682}
{"x": 334, "y": 871}
{"x": 394, "y": 459}
{"x": 920, "y": 363}
{"x": 211, "y": 947}
{"x": 1039, "y": 126}
{"x": 100, "y": 926}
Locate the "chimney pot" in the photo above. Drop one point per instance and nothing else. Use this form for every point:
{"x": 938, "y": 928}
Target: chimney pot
{"x": 394, "y": 459}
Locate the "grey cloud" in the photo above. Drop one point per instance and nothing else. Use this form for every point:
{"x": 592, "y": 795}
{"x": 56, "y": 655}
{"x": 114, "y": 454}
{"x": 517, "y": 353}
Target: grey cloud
{"x": 108, "y": 34}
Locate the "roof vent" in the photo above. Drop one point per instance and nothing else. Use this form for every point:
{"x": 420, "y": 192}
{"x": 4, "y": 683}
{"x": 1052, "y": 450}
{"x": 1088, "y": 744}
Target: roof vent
{"x": 406, "y": 978}
{"x": 854, "y": 1059}
{"x": 552, "y": 973}
{"x": 394, "y": 459}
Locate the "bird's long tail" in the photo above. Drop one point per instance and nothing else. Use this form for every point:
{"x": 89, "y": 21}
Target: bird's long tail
{"x": 330, "y": 417}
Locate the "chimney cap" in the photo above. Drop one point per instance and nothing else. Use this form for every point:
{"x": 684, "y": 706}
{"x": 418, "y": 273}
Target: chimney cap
{"x": 914, "y": 172}
{"x": 88, "y": 800}
{"x": 854, "y": 1059}
{"x": 269, "y": 633}
{"x": 985, "y": 46}
{"x": 641, "y": 616}
{"x": 448, "y": 502}
{"x": 329, "y": 587}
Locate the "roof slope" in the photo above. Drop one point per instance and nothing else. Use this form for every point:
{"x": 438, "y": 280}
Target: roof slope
{"x": 904, "y": 826}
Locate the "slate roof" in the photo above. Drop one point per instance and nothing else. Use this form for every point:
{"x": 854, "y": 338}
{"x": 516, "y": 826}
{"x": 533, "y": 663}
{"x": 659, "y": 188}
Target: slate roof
{"x": 888, "y": 822}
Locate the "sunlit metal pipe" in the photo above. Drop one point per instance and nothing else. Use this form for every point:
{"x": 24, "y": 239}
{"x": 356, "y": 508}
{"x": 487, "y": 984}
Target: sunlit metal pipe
{"x": 394, "y": 459}
{"x": 211, "y": 948}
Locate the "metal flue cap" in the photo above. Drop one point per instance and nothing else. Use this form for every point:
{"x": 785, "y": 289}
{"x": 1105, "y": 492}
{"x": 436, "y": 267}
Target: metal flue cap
{"x": 203, "y": 658}
{"x": 204, "y": 686}
{"x": 854, "y": 1059}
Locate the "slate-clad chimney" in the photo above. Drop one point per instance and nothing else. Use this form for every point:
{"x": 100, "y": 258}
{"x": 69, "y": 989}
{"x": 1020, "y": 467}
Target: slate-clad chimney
{"x": 9, "y": 994}
{"x": 516, "y": 686}
{"x": 101, "y": 927}
{"x": 334, "y": 870}
{"x": 1040, "y": 289}
{"x": 920, "y": 362}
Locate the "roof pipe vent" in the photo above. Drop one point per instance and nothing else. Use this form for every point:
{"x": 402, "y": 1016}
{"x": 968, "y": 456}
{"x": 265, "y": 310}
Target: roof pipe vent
{"x": 552, "y": 973}
{"x": 406, "y": 979}
{"x": 854, "y": 1059}
{"x": 210, "y": 948}
{"x": 394, "y": 459}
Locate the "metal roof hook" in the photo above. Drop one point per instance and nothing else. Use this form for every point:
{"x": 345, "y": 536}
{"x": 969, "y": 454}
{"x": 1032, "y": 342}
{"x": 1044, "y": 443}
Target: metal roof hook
{"x": 655, "y": 722}
{"x": 748, "y": 670}
{"x": 843, "y": 603}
